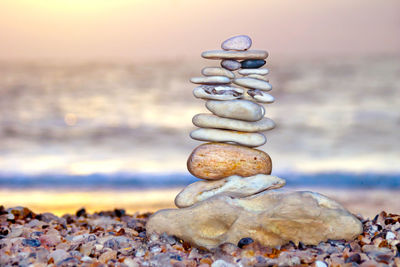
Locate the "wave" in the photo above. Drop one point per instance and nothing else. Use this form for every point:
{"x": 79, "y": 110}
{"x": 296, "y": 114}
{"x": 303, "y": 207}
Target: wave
{"x": 153, "y": 180}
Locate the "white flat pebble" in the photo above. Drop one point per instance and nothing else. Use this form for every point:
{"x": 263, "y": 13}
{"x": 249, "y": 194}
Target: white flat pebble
{"x": 236, "y": 109}
{"x": 239, "y": 43}
{"x": 217, "y": 71}
{"x": 253, "y": 83}
{"x": 320, "y": 264}
{"x": 222, "y": 263}
{"x": 260, "y": 96}
{"x": 254, "y": 71}
{"x": 390, "y": 235}
{"x": 234, "y": 186}
{"x": 213, "y": 121}
{"x": 241, "y": 138}
{"x": 222, "y": 54}
{"x": 218, "y": 92}
{"x": 258, "y": 77}
{"x": 231, "y": 64}
{"x": 86, "y": 259}
{"x": 211, "y": 80}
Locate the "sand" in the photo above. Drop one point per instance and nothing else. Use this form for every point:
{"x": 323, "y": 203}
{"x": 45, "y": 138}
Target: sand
{"x": 365, "y": 202}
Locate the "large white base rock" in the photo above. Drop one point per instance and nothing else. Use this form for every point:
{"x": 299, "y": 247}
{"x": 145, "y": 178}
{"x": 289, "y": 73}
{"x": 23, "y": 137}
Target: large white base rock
{"x": 272, "y": 218}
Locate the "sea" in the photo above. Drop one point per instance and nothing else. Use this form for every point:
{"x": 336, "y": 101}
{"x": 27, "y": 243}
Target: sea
{"x": 82, "y": 126}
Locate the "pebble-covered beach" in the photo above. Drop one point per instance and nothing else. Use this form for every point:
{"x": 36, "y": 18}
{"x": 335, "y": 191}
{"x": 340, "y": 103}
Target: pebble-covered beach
{"x": 114, "y": 238}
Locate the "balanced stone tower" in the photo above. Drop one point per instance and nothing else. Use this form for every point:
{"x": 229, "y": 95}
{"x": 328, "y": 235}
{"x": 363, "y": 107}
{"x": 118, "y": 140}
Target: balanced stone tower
{"x": 234, "y": 125}
{"x": 234, "y": 199}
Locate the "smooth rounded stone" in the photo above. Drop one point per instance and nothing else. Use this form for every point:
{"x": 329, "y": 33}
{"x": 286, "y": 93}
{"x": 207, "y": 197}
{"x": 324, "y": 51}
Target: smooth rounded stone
{"x": 236, "y": 109}
{"x": 253, "y": 71}
{"x": 212, "y": 121}
{"x": 258, "y": 77}
{"x": 31, "y": 242}
{"x": 272, "y": 218}
{"x": 222, "y": 54}
{"x": 50, "y": 240}
{"x": 108, "y": 255}
{"x": 245, "y": 241}
{"x": 238, "y": 43}
{"x": 253, "y": 83}
{"x": 58, "y": 255}
{"x": 213, "y": 161}
{"x": 218, "y": 92}
{"x": 234, "y": 186}
{"x": 320, "y": 264}
{"x": 211, "y": 80}
{"x": 260, "y": 96}
{"x": 230, "y": 64}
{"x": 217, "y": 135}
{"x": 217, "y": 71}
{"x": 222, "y": 263}
{"x": 252, "y": 63}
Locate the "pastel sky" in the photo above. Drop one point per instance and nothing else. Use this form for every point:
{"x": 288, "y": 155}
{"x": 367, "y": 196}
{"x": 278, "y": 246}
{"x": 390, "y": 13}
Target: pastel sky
{"x": 134, "y": 30}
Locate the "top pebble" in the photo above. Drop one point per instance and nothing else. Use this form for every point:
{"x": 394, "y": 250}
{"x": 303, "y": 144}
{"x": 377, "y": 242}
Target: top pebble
{"x": 238, "y": 43}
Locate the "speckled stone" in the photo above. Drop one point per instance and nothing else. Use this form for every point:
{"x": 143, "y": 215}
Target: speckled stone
{"x": 230, "y": 64}
{"x": 238, "y": 43}
{"x": 218, "y": 92}
{"x": 214, "y": 161}
{"x": 252, "y": 63}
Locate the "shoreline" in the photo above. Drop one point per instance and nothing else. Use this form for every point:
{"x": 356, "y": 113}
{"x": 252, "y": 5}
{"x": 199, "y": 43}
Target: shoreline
{"x": 365, "y": 202}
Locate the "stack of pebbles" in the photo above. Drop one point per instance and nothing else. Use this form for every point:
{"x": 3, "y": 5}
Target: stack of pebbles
{"x": 232, "y": 201}
{"x": 233, "y": 127}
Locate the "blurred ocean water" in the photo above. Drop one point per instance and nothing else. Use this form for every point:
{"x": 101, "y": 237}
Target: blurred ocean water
{"x": 153, "y": 181}
{"x": 338, "y": 122}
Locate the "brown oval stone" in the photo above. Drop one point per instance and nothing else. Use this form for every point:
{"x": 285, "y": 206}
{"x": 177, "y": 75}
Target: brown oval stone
{"x": 213, "y": 161}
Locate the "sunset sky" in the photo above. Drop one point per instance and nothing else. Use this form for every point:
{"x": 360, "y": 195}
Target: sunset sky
{"x": 134, "y": 30}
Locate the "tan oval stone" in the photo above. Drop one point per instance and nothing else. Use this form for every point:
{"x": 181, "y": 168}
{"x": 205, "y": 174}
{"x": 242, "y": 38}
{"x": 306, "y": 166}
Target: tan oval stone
{"x": 213, "y": 161}
{"x": 222, "y": 54}
{"x": 211, "y": 80}
{"x": 253, "y": 83}
{"x": 212, "y": 121}
{"x": 217, "y": 71}
{"x": 218, "y": 135}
